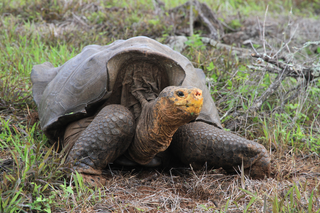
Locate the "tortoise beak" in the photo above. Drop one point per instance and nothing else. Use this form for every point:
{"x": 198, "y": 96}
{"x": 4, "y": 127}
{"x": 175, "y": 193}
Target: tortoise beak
{"x": 195, "y": 100}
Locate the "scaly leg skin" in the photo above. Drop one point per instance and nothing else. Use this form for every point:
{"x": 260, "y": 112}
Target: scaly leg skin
{"x": 107, "y": 137}
{"x": 198, "y": 142}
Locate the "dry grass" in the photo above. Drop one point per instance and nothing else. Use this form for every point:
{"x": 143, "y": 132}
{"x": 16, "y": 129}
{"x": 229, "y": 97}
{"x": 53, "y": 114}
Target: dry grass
{"x": 183, "y": 190}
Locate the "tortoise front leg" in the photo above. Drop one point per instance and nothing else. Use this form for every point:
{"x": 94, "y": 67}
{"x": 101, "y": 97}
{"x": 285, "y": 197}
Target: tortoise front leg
{"x": 198, "y": 142}
{"x": 107, "y": 137}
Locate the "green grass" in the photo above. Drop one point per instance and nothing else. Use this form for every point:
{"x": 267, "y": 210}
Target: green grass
{"x": 32, "y": 32}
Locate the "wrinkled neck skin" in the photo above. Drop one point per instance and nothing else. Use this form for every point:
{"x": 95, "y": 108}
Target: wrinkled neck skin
{"x": 166, "y": 120}
{"x": 158, "y": 122}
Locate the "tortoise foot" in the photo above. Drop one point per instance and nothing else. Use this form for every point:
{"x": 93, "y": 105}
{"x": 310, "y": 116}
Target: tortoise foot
{"x": 261, "y": 168}
{"x": 198, "y": 142}
{"x": 107, "y": 137}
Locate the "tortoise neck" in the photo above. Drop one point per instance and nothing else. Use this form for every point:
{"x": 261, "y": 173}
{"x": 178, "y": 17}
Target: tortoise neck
{"x": 163, "y": 120}
{"x": 158, "y": 122}
{"x": 166, "y": 117}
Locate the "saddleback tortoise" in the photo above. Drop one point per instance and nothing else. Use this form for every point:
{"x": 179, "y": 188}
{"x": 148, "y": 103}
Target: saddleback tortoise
{"x": 131, "y": 101}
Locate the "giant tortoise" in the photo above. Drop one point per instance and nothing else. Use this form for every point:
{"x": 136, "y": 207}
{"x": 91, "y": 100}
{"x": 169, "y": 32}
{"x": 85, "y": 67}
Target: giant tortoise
{"x": 131, "y": 102}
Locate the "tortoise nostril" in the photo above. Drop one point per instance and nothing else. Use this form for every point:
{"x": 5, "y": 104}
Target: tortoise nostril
{"x": 198, "y": 93}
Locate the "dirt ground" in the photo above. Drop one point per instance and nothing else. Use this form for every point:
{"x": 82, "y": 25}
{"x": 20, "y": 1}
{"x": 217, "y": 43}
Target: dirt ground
{"x": 185, "y": 190}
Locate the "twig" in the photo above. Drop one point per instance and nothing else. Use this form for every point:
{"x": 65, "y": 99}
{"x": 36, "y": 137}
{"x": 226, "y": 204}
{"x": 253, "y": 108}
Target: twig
{"x": 254, "y": 49}
{"x": 174, "y": 188}
{"x": 263, "y": 31}
{"x": 240, "y": 52}
{"x": 77, "y": 18}
{"x": 291, "y": 97}
{"x": 213, "y": 31}
{"x": 309, "y": 73}
{"x": 158, "y": 7}
{"x": 297, "y": 90}
{"x": 271, "y": 89}
{"x": 205, "y": 14}
{"x": 285, "y": 44}
{"x": 191, "y": 19}
{"x": 226, "y": 114}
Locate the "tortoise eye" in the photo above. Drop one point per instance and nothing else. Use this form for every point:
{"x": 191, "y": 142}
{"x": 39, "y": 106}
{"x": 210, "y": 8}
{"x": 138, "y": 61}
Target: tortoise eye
{"x": 180, "y": 94}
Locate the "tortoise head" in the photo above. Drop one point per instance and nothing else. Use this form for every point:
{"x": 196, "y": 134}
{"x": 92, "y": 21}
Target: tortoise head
{"x": 182, "y": 103}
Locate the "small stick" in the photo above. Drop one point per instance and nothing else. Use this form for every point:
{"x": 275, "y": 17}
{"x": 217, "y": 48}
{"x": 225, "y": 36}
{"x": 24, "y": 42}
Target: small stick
{"x": 191, "y": 19}
{"x": 263, "y": 31}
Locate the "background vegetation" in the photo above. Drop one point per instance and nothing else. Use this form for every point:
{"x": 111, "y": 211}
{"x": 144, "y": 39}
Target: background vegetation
{"x": 33, "y": 176}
